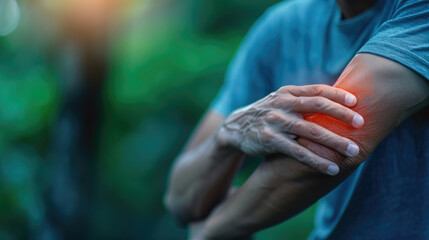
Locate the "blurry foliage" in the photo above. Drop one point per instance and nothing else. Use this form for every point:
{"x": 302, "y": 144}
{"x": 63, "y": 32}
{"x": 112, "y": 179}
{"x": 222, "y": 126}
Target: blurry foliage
{"x": 167, "y": 60}
{"x": 24, "y": 111}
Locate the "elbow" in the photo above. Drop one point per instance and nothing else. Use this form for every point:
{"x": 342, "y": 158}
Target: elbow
{"x": 182, "y": 211}
{"x": 183, "y": 202}
{"x": 177, "y": 210}
{"x": 362, "y": 137}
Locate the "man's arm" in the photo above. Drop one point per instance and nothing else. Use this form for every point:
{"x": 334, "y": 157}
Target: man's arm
{"x": 281, "y": 187}
{"x": 202, "y": 174}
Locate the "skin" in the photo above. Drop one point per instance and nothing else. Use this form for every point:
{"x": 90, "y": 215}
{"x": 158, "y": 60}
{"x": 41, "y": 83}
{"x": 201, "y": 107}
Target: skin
{"x": 272, "y": 124}
{"x": 281, "y": 187}
{"x": 202, "y": 174}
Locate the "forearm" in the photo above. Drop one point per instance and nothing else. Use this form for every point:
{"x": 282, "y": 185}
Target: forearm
{"x": 200, "y": 179}
{"x": 282, "y": 187}
{"x": 273, "y": 194}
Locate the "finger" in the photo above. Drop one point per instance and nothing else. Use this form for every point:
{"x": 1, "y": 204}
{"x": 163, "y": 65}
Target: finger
{"x": 328, "y": 107}
{"x": 302, "y": 128}
{"x": 293, "y": 149}
{"x": 324, "y": 137}
{"x": 335, "y": 94}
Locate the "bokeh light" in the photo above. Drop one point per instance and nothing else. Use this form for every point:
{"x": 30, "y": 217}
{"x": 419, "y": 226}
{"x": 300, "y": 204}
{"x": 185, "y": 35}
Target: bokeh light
{"x": 9, "y": 16}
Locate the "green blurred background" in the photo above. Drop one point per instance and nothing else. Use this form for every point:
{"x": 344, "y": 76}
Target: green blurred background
{"x": 97, "y": 97}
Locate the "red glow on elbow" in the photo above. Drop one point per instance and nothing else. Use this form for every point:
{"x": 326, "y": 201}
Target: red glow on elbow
{"x": 331, "y": 124}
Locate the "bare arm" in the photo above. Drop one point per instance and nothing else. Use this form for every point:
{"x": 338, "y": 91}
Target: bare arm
{"x": 202, "y": 174}
{"x": 281, "y": 187}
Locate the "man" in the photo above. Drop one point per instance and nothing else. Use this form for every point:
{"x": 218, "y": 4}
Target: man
{"x": 371, "y": 152}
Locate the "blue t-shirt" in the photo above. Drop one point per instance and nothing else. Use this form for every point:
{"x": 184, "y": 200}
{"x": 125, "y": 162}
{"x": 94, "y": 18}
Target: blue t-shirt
{"x": 303, "y": 42}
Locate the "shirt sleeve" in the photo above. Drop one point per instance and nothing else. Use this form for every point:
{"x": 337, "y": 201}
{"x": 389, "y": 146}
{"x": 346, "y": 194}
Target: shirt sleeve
{"x": 404, "y": 37}
{"x": 249, "y": 77}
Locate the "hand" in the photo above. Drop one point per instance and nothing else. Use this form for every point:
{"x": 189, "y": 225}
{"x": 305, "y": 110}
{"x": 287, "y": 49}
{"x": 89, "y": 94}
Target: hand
{"x": 271, "y": 124}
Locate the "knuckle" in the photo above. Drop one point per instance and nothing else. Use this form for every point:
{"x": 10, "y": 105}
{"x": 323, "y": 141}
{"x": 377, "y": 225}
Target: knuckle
{"x": 278, "y": 145}
{"x": 313, "y": 163}
{"x": 280, "y": 101}
{"x": 309, "y": 161}
{"x": 273, "y": 117}
{"x": 314, "y": 132}
{"x": 296, "y": 126}
{"x": 265, "y": 136}
{"x": 299, "y": 102}
{"x": 287, "y": 125}
{"x": 319, "y": 103}
{"x": 283, "y": 89}
{"x": 300, "y": 154}
{"x": 276, "y": 101}
{"x": 317, "y": 89}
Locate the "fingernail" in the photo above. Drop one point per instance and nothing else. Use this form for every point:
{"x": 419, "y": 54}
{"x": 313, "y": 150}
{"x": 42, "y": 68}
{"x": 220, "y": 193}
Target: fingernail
{"x": 333, "y": 170}
{"x": 358, "y": 120}
{"x": 350, "y": 99}
{"x": 352, "y": 150}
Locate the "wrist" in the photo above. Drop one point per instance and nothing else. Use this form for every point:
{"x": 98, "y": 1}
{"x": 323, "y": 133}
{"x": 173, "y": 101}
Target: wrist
{"x": 223, "y": 148}
{"x": 223, "y": 141}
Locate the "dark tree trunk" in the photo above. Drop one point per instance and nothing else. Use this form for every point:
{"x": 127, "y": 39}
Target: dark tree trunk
{"x": 81, "y": 59}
